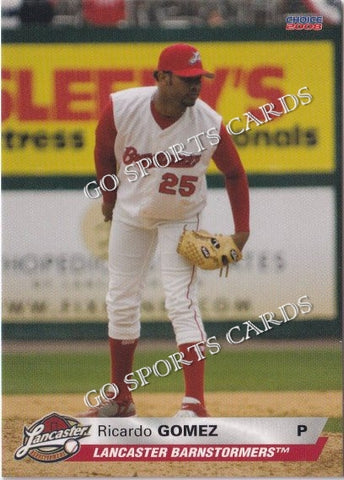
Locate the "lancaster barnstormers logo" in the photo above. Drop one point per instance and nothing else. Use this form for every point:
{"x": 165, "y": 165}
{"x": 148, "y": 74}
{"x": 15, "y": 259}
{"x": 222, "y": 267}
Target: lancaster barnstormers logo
{"x": 196, "y": 57}
{"x": 52, "y": 439}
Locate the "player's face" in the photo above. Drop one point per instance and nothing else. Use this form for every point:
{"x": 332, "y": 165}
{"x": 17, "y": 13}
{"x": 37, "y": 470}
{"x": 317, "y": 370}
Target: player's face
{"x": 186, "y": 90}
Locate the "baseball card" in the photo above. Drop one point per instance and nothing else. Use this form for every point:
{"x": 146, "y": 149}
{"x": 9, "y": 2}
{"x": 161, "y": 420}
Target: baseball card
{"x": 172, "y": 239}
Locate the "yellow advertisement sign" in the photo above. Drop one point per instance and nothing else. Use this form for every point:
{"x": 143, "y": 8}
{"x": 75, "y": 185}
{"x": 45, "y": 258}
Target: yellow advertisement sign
{"x": 53, "y": 94}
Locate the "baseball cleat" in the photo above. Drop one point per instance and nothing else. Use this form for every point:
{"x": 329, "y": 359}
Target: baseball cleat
{"x": 192, "y": 410}
{"x": 112, "y": 408}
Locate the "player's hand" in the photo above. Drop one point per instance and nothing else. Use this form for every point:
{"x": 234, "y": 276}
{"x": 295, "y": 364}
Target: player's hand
{"x": 240, "y": 238}
{"x": 107, "y": 209}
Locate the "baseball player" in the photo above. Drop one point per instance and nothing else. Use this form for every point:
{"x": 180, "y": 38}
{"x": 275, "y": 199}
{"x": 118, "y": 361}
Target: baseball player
{"x": 159, "y": 141}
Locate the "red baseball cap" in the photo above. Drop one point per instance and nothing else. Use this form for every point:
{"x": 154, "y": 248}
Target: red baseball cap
{"x": 183, "y": 60}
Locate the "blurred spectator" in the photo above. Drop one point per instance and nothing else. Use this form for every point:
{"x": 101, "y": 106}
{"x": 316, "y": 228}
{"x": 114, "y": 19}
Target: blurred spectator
{"x": 214, "y": 13}
{"x": 215, "y": 18}
{"x": 68, "y": 12}
{"x": 174, "y": 13}
{"x": 104, "y": 12}
{"x": 331, "y": 10}
{"x": 138, "y": 14}
{"x": 9, "y": 13}
{"x": 36, "y": 11}
{"x": 9, "y": 7}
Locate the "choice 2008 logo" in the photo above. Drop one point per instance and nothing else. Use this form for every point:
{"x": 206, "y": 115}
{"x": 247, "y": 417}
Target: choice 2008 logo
{"x": 52, "y": 439}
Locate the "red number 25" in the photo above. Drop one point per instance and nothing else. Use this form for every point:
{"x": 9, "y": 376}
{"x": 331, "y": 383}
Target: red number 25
{"x": 171, "y": 183}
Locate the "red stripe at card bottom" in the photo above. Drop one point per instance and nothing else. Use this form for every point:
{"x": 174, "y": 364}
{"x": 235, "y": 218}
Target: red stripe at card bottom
{"x": 218, "y": 453}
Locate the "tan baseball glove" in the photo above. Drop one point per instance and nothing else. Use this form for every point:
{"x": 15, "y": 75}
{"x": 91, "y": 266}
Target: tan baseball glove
{"x": 208, "y": 251}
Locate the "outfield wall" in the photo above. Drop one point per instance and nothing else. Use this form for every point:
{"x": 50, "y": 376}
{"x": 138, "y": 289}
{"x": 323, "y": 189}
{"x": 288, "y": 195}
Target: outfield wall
{"x": 54, "y": 240}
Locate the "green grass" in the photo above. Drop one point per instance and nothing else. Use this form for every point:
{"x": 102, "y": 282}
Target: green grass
{"x": 291, "y": 370}
{"x": 334, "y": 425}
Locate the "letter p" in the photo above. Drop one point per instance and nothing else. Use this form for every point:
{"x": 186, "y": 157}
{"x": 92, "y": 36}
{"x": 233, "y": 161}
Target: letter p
{"x": 301, "y": 429}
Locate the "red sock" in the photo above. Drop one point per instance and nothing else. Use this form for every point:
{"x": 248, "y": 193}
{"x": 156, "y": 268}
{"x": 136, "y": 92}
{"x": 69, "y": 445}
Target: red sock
{"x": 122, "y": 359}
{"x": 194, "y": 373}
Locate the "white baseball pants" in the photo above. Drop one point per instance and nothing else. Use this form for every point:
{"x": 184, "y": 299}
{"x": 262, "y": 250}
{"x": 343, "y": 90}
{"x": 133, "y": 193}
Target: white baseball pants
{"x": 131, "y": 249}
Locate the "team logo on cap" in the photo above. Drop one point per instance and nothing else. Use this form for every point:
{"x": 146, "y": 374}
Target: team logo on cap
{"x": 196, "y": 57}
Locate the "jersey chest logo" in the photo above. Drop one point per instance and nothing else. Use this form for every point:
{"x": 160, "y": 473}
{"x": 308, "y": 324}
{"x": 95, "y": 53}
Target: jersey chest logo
{"x": 131, "y": 155}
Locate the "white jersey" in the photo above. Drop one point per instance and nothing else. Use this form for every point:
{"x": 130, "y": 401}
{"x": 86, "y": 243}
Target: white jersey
{"x": 161, "y": 172}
